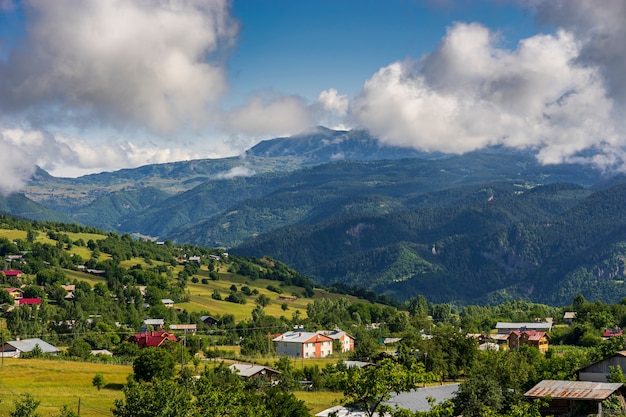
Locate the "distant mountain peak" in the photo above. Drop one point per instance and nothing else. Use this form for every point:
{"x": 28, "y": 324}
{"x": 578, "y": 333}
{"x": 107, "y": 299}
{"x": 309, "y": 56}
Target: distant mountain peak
{"x": 321, "y": 144}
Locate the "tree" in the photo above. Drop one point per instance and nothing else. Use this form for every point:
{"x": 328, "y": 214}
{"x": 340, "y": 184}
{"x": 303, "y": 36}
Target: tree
{"x": 615, "y": 374}
{"x": 25, "y": 406}
{"x": 163, "y": 398}
{"x": 263, "y": 300}
{"x": 365, "y": 345}
{"x": 153, "y": 363}
{"x": 6, "y": 298}
{"x": 368, "y": 388}
{"x": 496, "y": 382}
{"x": 80, "y": 349}
{"x": 98, "y": 381}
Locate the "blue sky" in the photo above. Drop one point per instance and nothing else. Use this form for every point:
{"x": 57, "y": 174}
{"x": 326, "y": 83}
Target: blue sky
{"x": 304, "y": 47}
{"x": 93, "y": 85}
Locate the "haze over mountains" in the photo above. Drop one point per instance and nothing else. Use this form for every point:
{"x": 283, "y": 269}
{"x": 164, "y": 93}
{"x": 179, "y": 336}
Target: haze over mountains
{"x": 339, "y": 208}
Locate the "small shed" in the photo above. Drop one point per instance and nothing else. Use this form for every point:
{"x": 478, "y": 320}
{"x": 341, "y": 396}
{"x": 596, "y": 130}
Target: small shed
{"x": 598, "y": 371}
{"x": 249, "y": 370}
{"x": 209, "y": 320}
{"x": 566, "y": 396}
{"x": 569, "y": 317}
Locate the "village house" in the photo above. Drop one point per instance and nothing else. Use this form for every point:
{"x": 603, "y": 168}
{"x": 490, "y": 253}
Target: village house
{"x": 13, "y": 273}
{"x": 303, "y": 345}
{"x": 536, "y": 339}
{"x": 167, "y": 302}
{"x": 15, "y": 348}
{"x": 614, "y": 332}
{"x": 16, "y": 293}
{"x": 149, "y": 324}
{"x": 152, "y": 339}
{"x": 345, "y": 340}
{"x": 70, "y": 288}
{"x": 29, "y": 301}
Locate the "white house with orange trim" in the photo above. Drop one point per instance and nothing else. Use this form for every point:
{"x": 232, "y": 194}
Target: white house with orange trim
{"x": 346, "y": 341}
{"x": 303, "y": 345}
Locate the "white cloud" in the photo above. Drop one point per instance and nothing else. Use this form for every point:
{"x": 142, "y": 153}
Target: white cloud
{"x": 600, "y": 31}
{"x": 68, "y": 156}
{"x": 332, "y": 101}
{"x": 240, "y": 171}
{"x": 470, "y": 93}
{"x": 119, "y": 62}
{"x": 16, "y": 165}
{"x": 271, "y": 116}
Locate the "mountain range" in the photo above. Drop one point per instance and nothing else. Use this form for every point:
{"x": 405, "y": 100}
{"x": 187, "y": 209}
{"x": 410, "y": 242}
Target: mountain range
{"x": 343, "y": 209}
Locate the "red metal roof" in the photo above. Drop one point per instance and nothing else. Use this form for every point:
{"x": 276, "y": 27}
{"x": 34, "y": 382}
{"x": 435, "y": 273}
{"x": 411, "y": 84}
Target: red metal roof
{"x": 12, "y": 272}
{"x": 29, "y": 301}
{"x": 612, "y": 333}
{"x": 152, "y": 339}
{"x": 533, "y": 335}
{"x": 573, "y": 390}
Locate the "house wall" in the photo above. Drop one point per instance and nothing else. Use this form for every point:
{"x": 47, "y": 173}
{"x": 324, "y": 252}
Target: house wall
{"x": 10, "y": 354}
{"x": 598, "y": 372}
{"x": 319, "y": 349}
{"x": 288, "y": 348}
{"x": 347, "y": 344}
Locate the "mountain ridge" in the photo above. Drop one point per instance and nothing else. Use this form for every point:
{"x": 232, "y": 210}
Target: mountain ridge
{"x": 400, "y": 212}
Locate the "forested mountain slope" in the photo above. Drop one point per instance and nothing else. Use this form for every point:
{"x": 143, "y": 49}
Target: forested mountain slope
{"x": 547, "y": 244}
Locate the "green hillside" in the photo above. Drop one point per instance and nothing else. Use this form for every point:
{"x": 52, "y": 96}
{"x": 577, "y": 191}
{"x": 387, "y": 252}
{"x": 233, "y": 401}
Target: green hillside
{"x": 545, "y": 244}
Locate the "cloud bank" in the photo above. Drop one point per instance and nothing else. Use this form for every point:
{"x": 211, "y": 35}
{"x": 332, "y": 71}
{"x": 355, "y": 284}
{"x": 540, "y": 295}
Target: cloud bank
{"x": 159, "y": 67}
{"x": 561, "y": 94}
{"x": 118, "y": 62}
{"x": 469, "y": 94}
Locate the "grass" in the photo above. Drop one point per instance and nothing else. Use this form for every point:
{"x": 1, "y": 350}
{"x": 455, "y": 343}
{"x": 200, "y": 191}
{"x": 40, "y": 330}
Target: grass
{"x": 318, "y": 400}
{"x": 83, "y": 276}
{"x": 12, "y": 234}
{"x": 56, "y": 383}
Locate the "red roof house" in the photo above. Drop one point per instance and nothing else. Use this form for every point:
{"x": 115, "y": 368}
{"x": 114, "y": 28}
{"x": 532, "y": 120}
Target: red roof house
{"x": 16, "y": 293}
{"x": 612, "y": 332}
{"x": 29, "y": 301}
{"x": 13, "y": 273}
{"x": 152, "y": 339}
{"x": 534, "y": 338}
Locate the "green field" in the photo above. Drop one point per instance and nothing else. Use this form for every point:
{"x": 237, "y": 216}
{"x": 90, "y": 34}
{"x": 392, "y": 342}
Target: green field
{"x": 56, "y": 383}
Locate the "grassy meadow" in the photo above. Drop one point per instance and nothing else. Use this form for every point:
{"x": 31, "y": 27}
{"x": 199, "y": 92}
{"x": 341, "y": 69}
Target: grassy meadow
{"x": 56, "y": 383}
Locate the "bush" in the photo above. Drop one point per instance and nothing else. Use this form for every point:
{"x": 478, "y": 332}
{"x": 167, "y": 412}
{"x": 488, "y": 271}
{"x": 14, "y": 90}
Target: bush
{"x": 275, "y": 289}
{"x": 205, "y": 281}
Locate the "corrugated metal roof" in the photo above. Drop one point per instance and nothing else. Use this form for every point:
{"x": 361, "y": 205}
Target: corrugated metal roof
{"x": 524, "y": 325}
{"x": 248, "y": 369}
{"x": 573, "y": 390}
{"x": 300, "y": 337}
{"x": 27, "y": 345}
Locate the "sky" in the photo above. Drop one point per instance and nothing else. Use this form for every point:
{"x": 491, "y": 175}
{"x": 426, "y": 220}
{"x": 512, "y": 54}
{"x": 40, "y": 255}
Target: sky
{"x": 99, "y": 85}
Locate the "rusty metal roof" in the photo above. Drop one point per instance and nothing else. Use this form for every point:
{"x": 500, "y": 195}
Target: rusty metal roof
{"x": 573, "y": 390}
